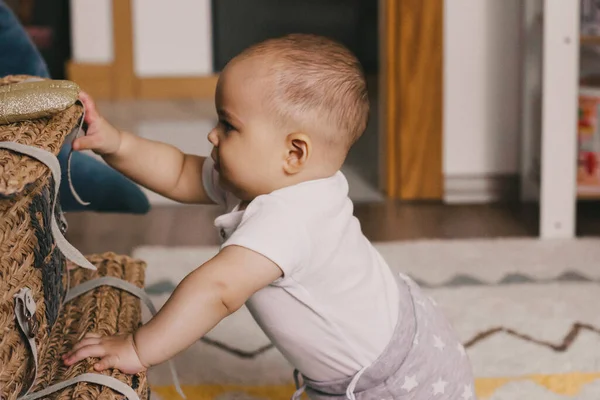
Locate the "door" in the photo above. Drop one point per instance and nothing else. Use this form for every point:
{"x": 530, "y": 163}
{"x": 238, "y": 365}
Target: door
{"x": 410, "y": 83}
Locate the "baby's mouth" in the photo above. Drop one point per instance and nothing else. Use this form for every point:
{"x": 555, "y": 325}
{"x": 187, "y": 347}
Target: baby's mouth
{"x": 215, "y": 159}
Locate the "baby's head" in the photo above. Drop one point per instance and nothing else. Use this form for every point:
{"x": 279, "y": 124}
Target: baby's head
{"x": 289, "y": 111}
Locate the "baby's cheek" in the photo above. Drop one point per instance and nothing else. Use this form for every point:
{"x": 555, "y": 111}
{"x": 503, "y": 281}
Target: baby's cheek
{"x": 230, "y": 175}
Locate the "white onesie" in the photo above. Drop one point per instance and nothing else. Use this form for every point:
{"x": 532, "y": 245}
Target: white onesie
{"x": 336, "y": 306}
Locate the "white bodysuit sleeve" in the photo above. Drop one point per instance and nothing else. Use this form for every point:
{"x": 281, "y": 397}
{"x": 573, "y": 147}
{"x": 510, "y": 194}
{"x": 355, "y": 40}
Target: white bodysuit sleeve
{"x": 273, "y": 230}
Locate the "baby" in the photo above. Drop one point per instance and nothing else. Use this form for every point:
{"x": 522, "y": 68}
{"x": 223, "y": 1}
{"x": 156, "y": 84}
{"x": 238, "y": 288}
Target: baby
{"x": 289, "y": 110}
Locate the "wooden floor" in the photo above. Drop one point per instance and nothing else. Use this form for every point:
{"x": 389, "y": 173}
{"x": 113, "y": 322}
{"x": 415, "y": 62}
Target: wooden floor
{"x": 193, "y": 226}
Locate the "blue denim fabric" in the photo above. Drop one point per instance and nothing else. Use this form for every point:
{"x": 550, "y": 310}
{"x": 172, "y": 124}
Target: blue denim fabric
{"x": 106, "y": 189}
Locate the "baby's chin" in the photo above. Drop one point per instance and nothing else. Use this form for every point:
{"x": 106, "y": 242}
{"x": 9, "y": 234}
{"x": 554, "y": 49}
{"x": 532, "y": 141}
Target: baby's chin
{"x": 239, "y": 192}
{"x": 224, "y": 183}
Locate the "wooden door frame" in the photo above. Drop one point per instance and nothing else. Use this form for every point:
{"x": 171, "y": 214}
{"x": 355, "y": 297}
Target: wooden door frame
{"x": 117, "y": 80}
{"x": 411, "y": 98}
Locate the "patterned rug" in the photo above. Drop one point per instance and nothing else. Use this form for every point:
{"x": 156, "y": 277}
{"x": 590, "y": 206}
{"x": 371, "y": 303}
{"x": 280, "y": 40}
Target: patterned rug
{"x": 526, "y": 310}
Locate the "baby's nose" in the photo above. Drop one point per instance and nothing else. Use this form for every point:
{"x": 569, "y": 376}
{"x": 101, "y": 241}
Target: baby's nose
{"x": 213, "y": 138}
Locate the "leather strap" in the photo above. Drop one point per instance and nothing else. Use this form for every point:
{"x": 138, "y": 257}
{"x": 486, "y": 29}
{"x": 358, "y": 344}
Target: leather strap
{"x": 98, "y": 379}
{"x": 113, "y": 282}
{"x": 76, "y": 135}
{"x": 51, "y": 162}
{"x": 25, "y": 309}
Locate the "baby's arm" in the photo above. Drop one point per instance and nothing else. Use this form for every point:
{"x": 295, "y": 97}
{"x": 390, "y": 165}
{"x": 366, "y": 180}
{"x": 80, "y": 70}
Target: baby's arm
{"x": 206, "y": 296}
{"x": 160, "y": 167}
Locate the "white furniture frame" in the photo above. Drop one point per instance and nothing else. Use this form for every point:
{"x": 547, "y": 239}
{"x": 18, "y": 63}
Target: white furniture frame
{"x": 550, "y": 78}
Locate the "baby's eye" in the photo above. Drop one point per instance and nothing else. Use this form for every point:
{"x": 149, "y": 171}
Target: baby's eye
{"x": 227, "y": 126}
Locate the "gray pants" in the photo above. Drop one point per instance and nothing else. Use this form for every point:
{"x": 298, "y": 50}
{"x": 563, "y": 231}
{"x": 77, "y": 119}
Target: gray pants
{"x": 424, "y": 360}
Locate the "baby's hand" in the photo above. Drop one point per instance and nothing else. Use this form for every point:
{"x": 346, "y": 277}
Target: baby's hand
{"x": 102, "y": 138}
{"x": 114, "y": 352}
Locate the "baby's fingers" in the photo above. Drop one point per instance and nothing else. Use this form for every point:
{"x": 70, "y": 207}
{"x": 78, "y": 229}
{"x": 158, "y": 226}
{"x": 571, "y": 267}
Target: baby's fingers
{"x": 96, "y": 350}
{"x": 106, "y": 363}
{"x": 91, "y": 142}
{"x": 82, "y": 343}
{"x": 91, "y": 114}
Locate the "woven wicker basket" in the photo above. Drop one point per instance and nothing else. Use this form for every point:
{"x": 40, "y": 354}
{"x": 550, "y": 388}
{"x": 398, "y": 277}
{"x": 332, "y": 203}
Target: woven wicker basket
{"x": 105, "y": 310}
{"x": 28, "y": 254}
{"x": 32, "y": 266}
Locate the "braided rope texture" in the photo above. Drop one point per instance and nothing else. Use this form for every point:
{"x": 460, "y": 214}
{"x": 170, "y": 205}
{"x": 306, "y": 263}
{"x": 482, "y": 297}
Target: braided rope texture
{"x": 104, "y": 310}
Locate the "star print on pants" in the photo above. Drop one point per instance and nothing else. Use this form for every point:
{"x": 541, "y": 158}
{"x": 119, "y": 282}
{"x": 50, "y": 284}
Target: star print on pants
{"x": 439, "y": 387}
{"x": 468, "y": 393}
{"x": 438, "y": 344}
{"x": 410, "y": 382}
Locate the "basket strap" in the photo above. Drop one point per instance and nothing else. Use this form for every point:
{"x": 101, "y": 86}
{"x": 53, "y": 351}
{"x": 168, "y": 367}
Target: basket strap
{"x": 75, "y": 136}
{"x": 25, "y": 309}
{"x": 51, "y": 162}
{"x": 98, "y": 379}
{"x": 132, "y": 289}
{"x": 113, "y": 282}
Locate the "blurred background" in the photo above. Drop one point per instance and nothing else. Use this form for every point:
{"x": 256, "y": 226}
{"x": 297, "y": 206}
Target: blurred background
{"x": 453, "y": 144}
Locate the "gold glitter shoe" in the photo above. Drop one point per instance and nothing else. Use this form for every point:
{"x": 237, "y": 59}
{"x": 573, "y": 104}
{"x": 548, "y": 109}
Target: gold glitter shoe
{"x": 35, "y": 98}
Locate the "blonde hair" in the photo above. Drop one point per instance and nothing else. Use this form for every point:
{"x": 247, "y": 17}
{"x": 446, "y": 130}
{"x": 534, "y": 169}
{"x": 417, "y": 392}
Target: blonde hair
{"x": 317, "y": 78}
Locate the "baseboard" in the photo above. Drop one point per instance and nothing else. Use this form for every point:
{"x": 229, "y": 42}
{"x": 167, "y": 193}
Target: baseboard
{"x": 99, "y": 80}
{"x": 96, "y": 79}
{"x": 481, "y": 189}
{"x": 199, "y": 87}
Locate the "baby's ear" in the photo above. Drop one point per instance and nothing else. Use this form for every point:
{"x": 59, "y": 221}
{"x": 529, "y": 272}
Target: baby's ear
{"x": 298, "y": 150}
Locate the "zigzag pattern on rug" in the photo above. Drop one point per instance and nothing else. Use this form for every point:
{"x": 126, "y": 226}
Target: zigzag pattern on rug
{"x": 567, "y": 341}
{"x": 508, "y": 279}
{"x": 563, "y": 346}
{"x": 236, "y": 352}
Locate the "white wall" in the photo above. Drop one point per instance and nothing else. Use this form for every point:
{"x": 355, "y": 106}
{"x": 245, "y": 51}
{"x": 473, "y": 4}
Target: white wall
{"x": 92, "y": 31}
{"x": 481, "y": 87}
{"x": 172, "y": 38}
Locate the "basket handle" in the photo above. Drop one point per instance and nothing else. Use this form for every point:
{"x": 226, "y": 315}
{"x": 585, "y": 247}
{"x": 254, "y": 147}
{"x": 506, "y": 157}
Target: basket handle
{"x": 51, "y": 162}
